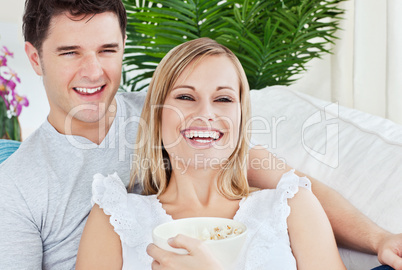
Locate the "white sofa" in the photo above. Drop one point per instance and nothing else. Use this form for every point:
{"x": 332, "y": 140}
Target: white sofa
{"x": 357, "y": 154}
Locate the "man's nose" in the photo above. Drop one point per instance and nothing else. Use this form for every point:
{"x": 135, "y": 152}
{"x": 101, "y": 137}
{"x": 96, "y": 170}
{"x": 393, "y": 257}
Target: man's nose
{"x": 91, "y": 68}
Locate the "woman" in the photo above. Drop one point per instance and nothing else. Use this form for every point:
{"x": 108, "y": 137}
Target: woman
{"x": 191, "y": 161}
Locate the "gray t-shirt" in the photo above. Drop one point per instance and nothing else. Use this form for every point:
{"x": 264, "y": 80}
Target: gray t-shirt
{"x": 45, "y": 189}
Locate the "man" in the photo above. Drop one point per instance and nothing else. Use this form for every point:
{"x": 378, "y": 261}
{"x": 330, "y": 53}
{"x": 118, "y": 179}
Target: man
{"x": 77, "y": 47}
{"x": 46, "y": 185}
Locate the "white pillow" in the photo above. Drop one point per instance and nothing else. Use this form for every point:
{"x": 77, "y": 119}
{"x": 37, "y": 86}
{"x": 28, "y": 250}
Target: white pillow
{"x": 357, "y": 154}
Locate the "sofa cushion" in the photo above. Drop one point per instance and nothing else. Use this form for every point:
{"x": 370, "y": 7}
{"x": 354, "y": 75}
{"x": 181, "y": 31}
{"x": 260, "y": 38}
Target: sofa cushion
{"x": 7, "y": 147}
{"x": 357, "y": 154}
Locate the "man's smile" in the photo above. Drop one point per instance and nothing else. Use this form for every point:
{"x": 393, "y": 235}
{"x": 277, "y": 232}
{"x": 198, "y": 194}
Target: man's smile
{"x": 88, "y": 91}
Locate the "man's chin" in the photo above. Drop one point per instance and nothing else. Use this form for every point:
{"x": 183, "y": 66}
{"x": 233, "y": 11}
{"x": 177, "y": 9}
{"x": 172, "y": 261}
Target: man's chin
{"x": 86, "y": 116}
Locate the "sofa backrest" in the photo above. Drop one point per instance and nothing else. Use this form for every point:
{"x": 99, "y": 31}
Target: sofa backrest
{"x": 357, "y": 154}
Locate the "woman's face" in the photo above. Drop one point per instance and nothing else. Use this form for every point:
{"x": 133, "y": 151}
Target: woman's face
{"x": 201, "y": 114}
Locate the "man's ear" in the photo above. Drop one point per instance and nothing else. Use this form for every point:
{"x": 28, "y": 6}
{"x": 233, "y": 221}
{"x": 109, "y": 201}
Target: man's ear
{"x": 33, "y": 56}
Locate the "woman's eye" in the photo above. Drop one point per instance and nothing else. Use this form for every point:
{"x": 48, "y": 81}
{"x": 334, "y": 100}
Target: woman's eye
{"x": 185, "y": 97}
{"x": 224, "y": 99}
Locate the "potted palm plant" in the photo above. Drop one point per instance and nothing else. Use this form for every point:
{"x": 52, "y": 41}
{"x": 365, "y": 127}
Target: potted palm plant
{"x": 274, "y": 39}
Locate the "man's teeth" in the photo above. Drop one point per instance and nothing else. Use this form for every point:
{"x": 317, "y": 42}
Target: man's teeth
{"x": 192, "y": 134}
{"x": 88, "y": 90}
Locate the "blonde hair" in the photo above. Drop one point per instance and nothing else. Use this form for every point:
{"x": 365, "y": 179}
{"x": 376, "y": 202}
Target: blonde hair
{"x": 155, "y": 176}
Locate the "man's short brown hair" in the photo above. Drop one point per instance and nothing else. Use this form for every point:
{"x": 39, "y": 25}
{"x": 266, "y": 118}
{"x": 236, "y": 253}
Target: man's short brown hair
{"x": 38, "y": 15}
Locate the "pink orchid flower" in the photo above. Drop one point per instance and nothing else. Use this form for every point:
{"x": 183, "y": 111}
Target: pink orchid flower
{"x": 17, "y": 102}
{"x": 13, "y": 75}
{"x": 3, "y": 61}
{"x": 6, "y": 86}
{"x": 6, "y": 51}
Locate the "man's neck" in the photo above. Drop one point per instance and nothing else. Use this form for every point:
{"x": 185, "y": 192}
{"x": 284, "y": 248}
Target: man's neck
{"x": 93, "y": 131}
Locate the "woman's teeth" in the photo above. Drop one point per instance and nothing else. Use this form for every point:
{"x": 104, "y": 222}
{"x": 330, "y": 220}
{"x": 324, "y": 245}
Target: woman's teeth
{"x": 202, "y": 135}
{"x": 88, "y": 90}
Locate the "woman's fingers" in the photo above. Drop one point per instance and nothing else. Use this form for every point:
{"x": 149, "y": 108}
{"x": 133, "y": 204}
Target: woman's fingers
{"x": 185, "y": 242}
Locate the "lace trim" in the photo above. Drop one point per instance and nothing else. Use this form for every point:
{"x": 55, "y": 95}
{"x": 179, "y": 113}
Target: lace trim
{"x": 272, "y": 228}
{"x": 287, "y": 187}
{"x": 111, "y": 195}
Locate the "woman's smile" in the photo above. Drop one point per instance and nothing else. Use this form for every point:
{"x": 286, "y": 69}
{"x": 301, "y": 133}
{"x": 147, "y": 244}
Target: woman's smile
{"x": 201, "y": 137}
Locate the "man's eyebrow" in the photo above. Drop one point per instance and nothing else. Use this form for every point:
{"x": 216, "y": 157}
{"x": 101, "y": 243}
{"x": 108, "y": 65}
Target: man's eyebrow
{"x": 73, "y": 48}
{"x": 110, "y": 46}
{"x": 67, "y": 48}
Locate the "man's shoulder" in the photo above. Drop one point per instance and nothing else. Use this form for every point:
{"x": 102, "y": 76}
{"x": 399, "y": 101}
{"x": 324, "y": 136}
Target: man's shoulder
{"x": 23, "y": 160}
{"x": 133, "y": 97}
{"x": 131, "y": 103}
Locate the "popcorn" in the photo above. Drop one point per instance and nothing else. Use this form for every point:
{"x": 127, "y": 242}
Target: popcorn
{"x": 220, "y": 232}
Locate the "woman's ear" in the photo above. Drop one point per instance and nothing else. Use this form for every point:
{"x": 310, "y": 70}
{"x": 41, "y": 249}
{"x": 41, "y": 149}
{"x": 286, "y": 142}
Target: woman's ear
{"x": 33, "y": 57}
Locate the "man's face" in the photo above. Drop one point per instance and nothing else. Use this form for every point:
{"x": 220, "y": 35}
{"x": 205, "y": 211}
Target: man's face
{"x": 81, "y": 63}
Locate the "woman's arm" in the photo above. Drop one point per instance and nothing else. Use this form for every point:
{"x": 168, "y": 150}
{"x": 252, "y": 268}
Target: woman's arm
{"x": 100, "y": 246}
{"x": 352, "y": 229}
{"x": 311, "y": 237}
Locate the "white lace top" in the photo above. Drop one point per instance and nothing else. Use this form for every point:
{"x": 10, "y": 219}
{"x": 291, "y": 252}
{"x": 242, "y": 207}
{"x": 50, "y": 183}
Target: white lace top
{"x": 264, "y": 213}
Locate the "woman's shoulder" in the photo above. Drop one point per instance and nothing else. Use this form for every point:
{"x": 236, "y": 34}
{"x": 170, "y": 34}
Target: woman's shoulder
{"x": 288, "y": 186}
{"x": 290, "y": 182}
{"x": 129, "y": 213}
{"x": 272, "y": 205}
{"x": 107, "y": 189}
{"x": 110, "y": 193}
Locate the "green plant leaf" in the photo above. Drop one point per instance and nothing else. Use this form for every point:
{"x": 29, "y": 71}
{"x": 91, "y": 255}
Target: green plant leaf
{"x": 13, "y": 129}
{"x": 3, "y": 118}
{"x": 274, "y": 40}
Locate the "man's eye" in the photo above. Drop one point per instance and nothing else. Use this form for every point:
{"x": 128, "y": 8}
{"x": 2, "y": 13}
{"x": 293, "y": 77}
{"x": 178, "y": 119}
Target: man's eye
{"x": 68, "y": 53}
{"x": 185, "y": 97}
{"x": 224, "y": 99}
{"x": 108, "y": 51}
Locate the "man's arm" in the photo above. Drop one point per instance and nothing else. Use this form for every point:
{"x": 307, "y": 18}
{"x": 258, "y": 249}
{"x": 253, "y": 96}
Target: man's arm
{"x": 20, "y": 240}
{"x": 352, "y": 229}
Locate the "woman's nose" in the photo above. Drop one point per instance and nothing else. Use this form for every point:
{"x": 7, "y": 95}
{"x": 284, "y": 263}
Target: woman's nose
{"x": 206, "y": 111}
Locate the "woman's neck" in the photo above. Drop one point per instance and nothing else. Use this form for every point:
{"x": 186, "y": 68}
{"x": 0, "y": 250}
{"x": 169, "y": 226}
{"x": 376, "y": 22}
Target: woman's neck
{"x": 197, "y": 185}
{"x": 193, "y": 192}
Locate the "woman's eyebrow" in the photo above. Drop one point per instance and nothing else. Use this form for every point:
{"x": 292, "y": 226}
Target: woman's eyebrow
{"x": 192, "y": 88}
{"x": 183, "y": 86}
{"x": 225, "y": 87}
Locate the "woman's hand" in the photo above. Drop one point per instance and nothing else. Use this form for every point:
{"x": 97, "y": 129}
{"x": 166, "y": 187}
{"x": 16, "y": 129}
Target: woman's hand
{"x": 198, "y": 257}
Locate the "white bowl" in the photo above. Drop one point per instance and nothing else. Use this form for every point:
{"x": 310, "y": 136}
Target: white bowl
{"x": 225, "y": 250}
